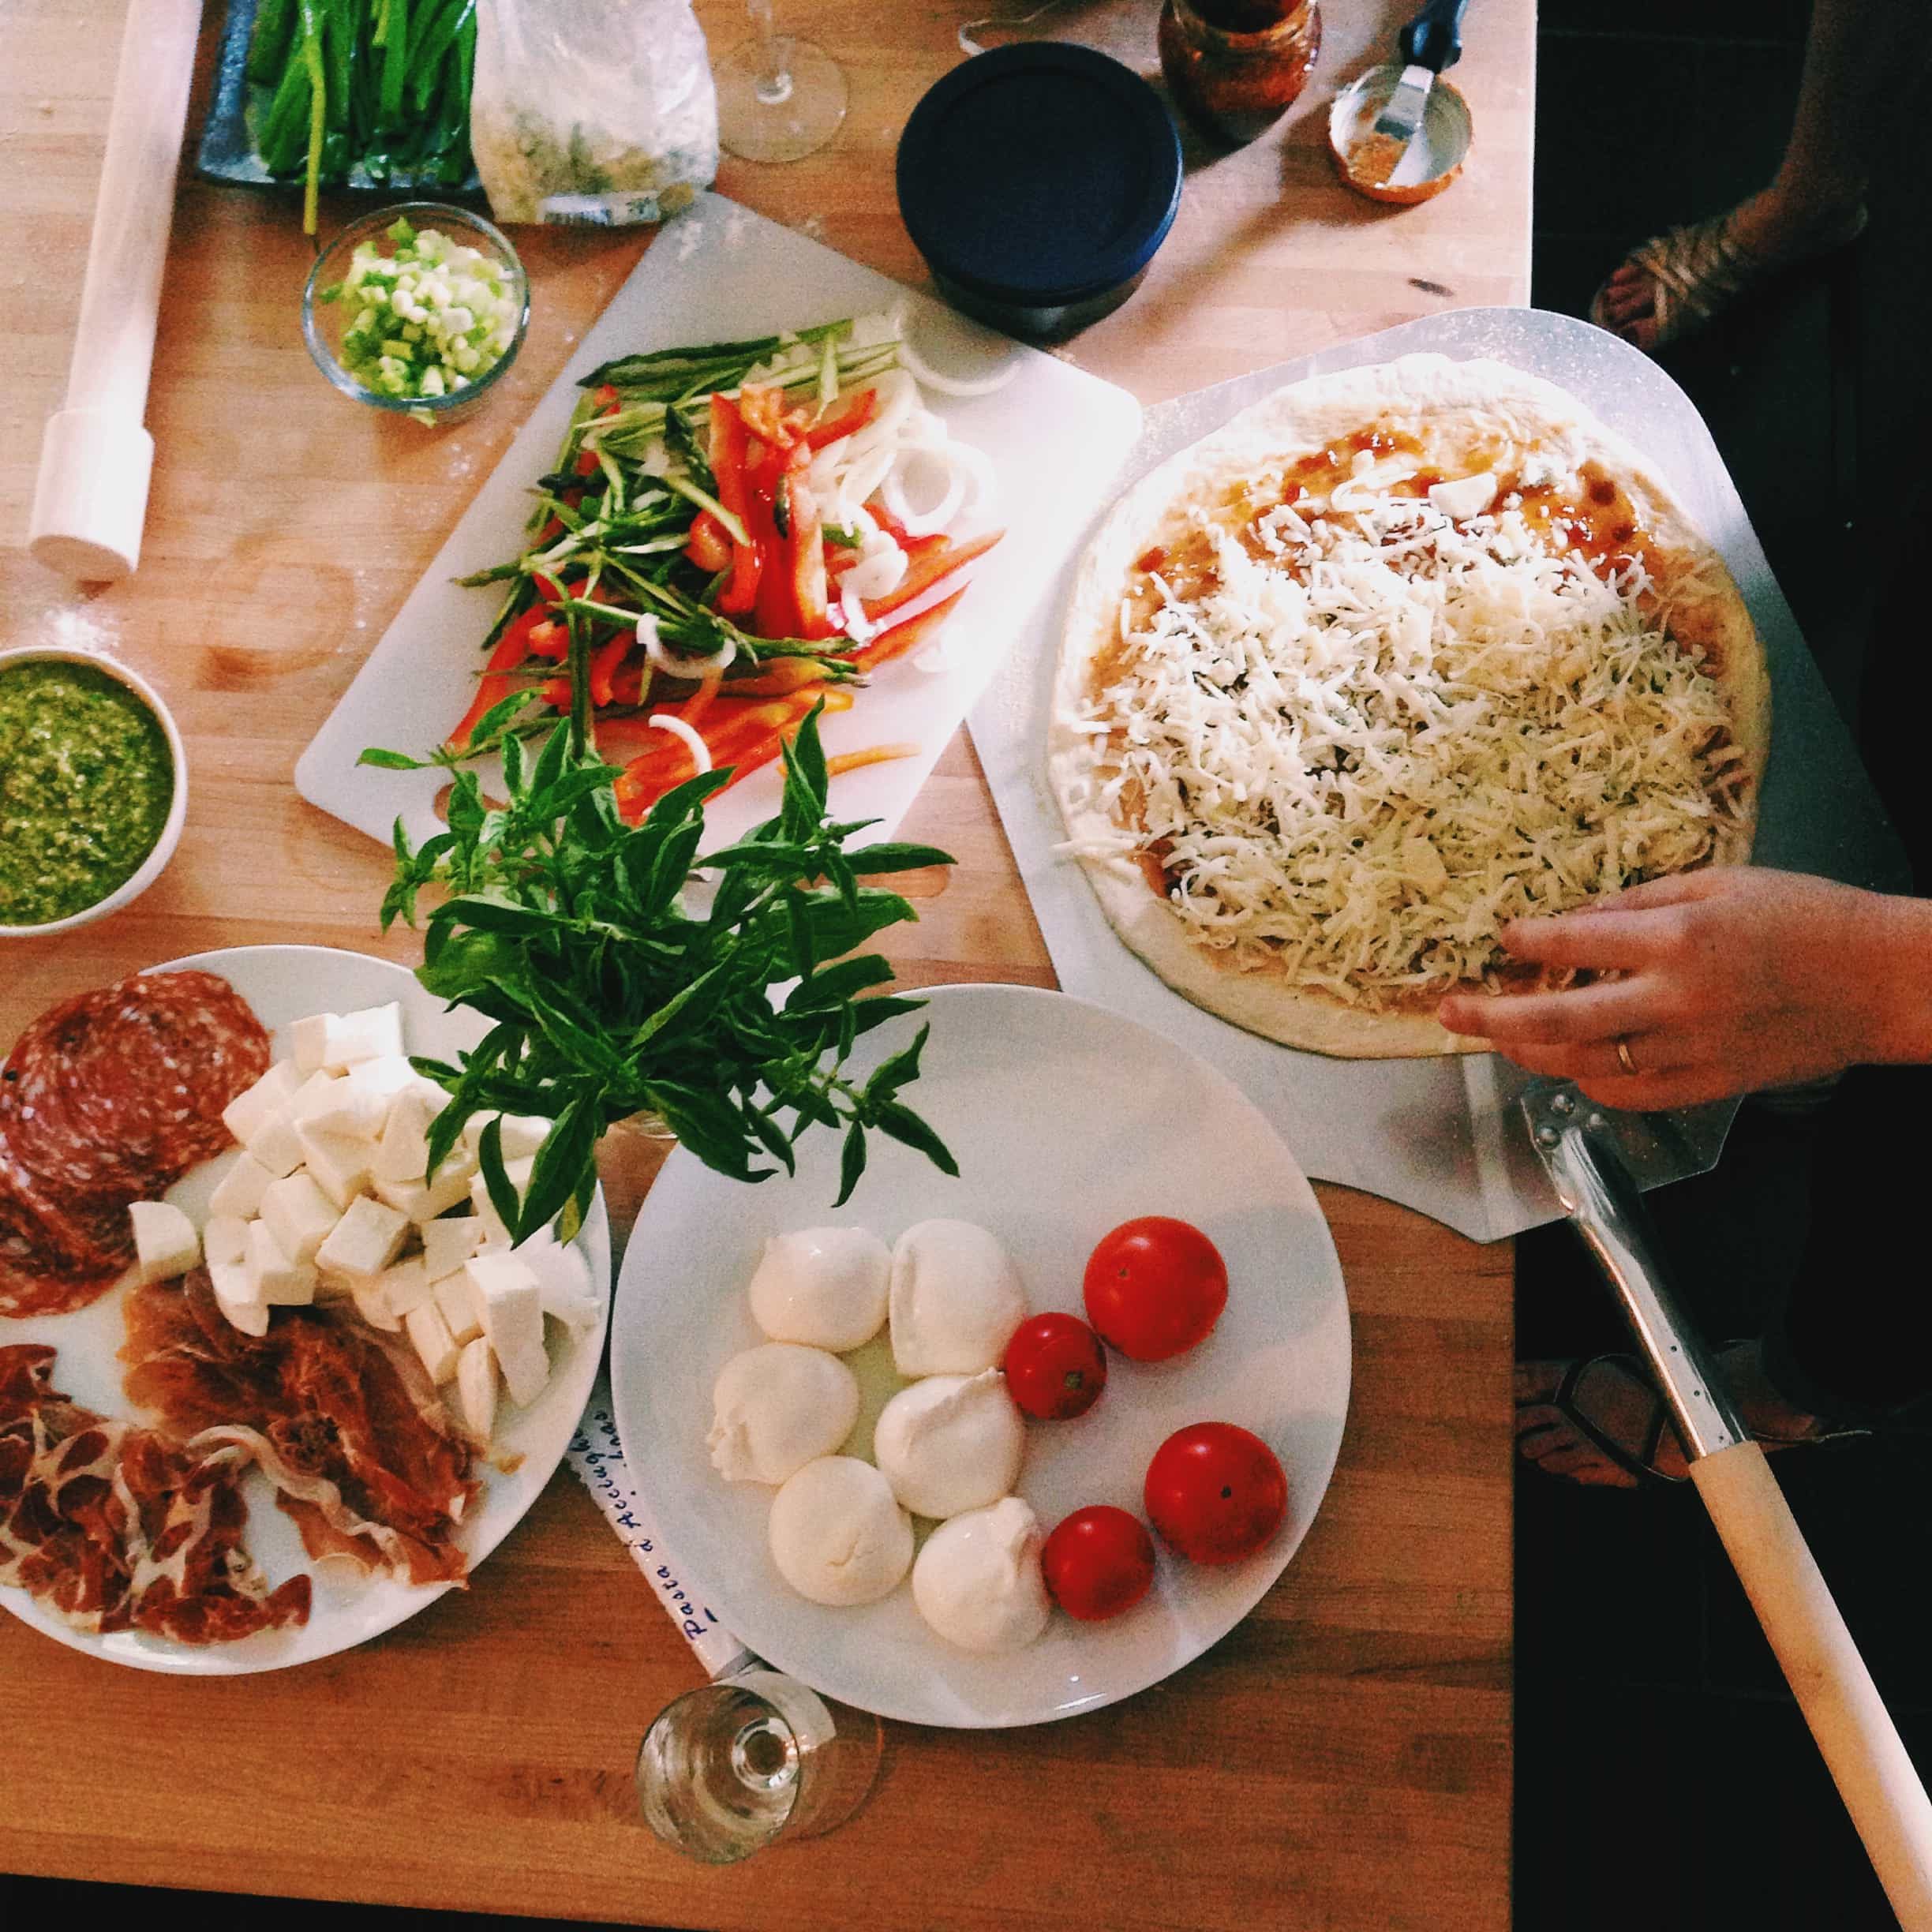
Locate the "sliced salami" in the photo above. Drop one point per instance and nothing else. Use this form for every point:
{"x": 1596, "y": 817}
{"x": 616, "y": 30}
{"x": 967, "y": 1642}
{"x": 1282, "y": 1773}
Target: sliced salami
{"x": 107, "y": 1098}
{"x": 50, "y": 1262}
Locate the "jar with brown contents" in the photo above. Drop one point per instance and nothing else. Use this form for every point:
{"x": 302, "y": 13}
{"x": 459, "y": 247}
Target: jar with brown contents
{"x": 1236, "y": 66}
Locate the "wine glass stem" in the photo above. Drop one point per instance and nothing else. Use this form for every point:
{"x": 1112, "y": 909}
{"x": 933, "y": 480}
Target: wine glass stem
{"x": 774, "y": 86}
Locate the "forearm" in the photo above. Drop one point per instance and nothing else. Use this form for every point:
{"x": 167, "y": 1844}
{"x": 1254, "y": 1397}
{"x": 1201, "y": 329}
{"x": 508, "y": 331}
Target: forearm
{"x": 1891, "y": 954}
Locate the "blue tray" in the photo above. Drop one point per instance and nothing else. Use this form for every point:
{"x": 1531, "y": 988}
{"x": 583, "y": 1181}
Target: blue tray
{"x": 227, "y": 150}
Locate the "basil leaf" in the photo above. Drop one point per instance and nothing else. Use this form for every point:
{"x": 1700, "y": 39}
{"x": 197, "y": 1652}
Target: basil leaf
{"x": 851, "y": 1163}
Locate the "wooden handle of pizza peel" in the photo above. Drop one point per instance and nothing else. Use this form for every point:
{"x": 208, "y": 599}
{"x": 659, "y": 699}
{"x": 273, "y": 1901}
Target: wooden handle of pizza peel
{"x": 1854, "y": 1733}
{"x": 91, "y": 499}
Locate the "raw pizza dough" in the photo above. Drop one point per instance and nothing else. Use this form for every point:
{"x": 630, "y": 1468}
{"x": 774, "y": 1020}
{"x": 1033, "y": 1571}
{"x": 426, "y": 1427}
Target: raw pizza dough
{"x": 1432, "y": 419}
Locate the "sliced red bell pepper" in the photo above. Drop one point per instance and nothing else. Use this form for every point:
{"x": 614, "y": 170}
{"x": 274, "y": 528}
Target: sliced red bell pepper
{"x": 549, "y": 639}
{"x": 853, "y": 413}
{"x": 604, "y": 395}
{"x": 804, "y": 551}
{"x": 512, "y": 650}
{"x": 902, "y": 637}
{"x": 929, "y": 568}
{"x": 710, "y": 547}
{"x": 761, "y": 408}
{"x": 604, "y": 666}
{"x": 587, "y": 463}
{"x": 727, "y": 467}
{"x": 554, "y": 591}
{"x": 557, "y": 693}
{"x": 912, "y": 546}
{"x": 775, "y": 610}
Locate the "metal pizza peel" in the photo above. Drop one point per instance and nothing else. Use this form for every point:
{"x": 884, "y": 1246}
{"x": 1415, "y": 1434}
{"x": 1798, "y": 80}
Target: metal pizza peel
{"x": 1599, "y": 1161}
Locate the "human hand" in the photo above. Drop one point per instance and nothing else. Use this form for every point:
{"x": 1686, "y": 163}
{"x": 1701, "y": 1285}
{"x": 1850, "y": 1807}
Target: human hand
{"x": 1723, "y": 981}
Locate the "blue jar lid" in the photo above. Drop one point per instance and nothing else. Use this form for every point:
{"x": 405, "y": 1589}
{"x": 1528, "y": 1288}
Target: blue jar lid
{"x": 1039, "y": 173}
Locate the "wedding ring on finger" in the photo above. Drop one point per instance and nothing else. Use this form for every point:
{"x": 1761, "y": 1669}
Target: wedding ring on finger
{"x": 1623, "y": 1055}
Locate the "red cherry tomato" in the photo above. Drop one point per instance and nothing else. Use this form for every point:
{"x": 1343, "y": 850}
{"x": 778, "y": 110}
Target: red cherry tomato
{"x": 1098, "y": 1561}
{"x": 1216, "y": 1493}
{"x": 1054, "y": 1367}
{"x": 1155, "y": 1287}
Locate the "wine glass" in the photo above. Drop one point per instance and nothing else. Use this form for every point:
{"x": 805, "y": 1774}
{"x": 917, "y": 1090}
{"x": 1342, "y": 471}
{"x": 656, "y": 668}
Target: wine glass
{"x": 753, "y": 1758}
{"x": 779, "y": 99}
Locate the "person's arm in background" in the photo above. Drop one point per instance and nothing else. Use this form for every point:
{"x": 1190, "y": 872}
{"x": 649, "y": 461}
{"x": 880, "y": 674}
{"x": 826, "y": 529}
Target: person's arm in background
{"x": 1729, "y": 981}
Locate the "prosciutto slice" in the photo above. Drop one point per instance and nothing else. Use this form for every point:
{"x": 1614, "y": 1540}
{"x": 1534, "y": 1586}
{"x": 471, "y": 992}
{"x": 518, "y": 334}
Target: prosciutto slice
{"x": 339, "y": 1418}
{"x": 114, "y": 1528}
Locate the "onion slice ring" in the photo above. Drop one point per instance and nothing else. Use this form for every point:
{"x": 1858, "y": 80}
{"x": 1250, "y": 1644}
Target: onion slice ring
{"x": 692, "y": 670}
{"x": 700, "y": 751}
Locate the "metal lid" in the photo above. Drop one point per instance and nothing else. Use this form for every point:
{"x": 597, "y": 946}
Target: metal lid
{"x": 1039, "y": 174}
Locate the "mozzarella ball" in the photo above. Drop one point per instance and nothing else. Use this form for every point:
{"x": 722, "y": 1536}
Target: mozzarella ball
{"x": 956, "y": 1300}
{"x": 825, "y": 1287}
{"x": 836, "y": 1534}
{"x": 977, "y": 1580}
{"x": 778, "y": 1407}
{"x": 950, "y": 1443}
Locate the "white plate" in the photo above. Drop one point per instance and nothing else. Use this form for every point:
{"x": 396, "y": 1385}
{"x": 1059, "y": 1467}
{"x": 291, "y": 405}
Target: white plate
{"x": 282, "y": 983}
{"x": 1065, "y": 1121}
{"x": 1054, "y": 437}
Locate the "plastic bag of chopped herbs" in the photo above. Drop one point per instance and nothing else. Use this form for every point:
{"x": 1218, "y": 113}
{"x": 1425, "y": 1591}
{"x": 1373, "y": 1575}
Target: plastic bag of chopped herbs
{"x": 592, "y": 112}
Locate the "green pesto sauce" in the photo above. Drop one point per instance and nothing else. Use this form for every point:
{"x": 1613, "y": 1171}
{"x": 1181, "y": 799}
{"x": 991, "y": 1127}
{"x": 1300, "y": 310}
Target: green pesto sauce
{"x": 86, "y": 780}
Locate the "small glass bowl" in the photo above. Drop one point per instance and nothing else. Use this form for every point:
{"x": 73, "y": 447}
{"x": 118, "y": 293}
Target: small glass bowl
{"x": 323, "y": 323}
{"x": 162, "y": 850}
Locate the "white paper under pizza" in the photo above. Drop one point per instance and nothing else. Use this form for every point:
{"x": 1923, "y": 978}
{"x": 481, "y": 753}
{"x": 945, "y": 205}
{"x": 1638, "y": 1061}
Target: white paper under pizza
{"x": 1438, "y": 1136}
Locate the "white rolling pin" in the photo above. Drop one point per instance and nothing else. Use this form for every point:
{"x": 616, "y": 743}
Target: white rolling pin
{"x": 91, "y": 497}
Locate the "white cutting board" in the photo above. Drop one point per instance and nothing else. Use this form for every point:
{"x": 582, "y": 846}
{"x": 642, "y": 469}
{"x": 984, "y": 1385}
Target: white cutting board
{"x": 1440, "y": 1136}
{"x": 1056, "y": 438}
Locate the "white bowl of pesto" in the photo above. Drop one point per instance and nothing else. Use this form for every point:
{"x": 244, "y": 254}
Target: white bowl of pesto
{"x": 93, "y": 789}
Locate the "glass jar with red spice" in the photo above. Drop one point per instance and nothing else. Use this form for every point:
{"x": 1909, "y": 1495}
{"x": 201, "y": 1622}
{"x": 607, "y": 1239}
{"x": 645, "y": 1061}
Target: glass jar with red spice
{"x": 1235, "y": 66}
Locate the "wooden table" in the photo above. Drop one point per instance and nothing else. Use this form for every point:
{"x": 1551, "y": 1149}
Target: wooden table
{"x": 1343, "y": 1760}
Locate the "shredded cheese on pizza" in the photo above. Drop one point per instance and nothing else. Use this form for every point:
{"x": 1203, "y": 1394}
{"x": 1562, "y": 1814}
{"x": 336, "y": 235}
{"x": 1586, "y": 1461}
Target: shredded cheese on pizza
{"x": 1373, "y": 734}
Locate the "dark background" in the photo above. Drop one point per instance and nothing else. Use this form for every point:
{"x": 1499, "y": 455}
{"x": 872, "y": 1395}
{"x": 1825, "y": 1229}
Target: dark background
{"x": 1663, "y": 1778}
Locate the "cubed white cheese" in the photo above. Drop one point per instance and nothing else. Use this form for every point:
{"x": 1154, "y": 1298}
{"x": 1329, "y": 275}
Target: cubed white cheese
{"x": 430, "y": 1333}
{"x": 299, "y": 1214}
{"x": 239, "y": 1191}
{"x": 564, "y": 1287}
{"x": 249, "y": 1111}
{"x": 476, "y": 1387}
{"x": 402, "y": 1153}
{"x": 458, "y": 1302}
{"x": 356, "y": 1111}
{"x": 224, "y": 1241}
{"x": 315, "y": 1095}
{"x": 165, "y": 1241}
{"x": 373, "y": 1306}
{"x": 512, "y": 1311}
{"x": 273, "y": 1146}
{"x": 448, "y": 1244}
{"x": 310, "y": 1037}
{"x": 406, "y": 1286}
{"x": 340, "y": 1165}
{"x": 522, "y": 1133}
{"x": 365, "y": 1035}
{"x": 335, "y": 1042}
{"x": 368, "y": 1237}
{"x": 273, "y": 1275}
{"x": 238, "y": 1298}
{"x": 425, "y": 1201}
